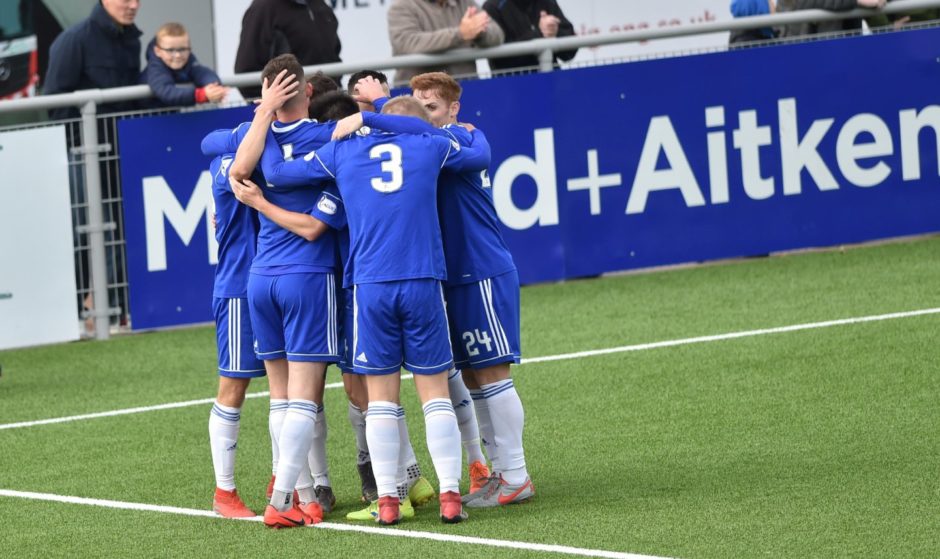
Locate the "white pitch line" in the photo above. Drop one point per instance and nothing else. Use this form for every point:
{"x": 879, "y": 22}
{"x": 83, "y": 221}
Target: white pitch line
{"x": 733, "y": 335}
{"x": 413, "y": 534}
{"x": 531, "y": 360}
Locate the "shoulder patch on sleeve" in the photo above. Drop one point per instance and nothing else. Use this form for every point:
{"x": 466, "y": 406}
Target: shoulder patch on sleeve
{"x": 326, "y": 205}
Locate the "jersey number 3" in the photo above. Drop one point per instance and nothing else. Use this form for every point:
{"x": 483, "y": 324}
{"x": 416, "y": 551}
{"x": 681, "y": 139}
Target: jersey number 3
{"x": 391, "y": 166}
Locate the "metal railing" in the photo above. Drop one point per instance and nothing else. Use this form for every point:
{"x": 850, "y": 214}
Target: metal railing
{"x": 99, "y": 237}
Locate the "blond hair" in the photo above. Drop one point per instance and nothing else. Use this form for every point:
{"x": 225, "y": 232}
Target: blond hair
{"x": 172, "y": 29}
{"x": 406, "y": 105}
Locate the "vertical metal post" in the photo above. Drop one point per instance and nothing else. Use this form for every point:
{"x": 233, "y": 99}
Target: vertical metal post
{"x": 546, "y": 60}
{"x": 99, "y": 270}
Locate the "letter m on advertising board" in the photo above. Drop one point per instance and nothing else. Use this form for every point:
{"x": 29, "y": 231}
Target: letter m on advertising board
{"x": 161, "y": 207}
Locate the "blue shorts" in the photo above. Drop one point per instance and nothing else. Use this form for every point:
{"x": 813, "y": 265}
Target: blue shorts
{"x": 400, "y": 323}
{"x": 345, "y": 305}
{"x": 234, "y": 339}
{"x": 294, "y": 316}
{"x": 484, "y": 321}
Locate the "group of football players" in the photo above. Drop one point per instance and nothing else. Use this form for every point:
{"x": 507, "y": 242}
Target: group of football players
{"x": 390, "y": 199}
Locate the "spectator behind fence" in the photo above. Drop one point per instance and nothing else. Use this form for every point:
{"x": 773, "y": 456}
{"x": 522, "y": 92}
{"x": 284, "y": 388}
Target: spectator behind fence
{"x": 175, "y": 75}
{"x": 100, "y": 51}
{"x": 812, "y": 28}
{"x": 898, "y": 21}
{"x": 748, "y": 8}
{"x": 524, "y": 20}
{"x": 305, "y": 28}
{"x": 435, "y": 26}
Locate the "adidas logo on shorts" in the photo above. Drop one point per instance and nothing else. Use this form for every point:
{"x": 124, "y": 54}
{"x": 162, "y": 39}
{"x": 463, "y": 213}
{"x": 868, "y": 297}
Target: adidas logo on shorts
{"x": 362, "y": 357}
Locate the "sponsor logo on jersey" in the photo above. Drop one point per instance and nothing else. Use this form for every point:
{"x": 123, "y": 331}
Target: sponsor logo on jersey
{"x": 327, "y": 206}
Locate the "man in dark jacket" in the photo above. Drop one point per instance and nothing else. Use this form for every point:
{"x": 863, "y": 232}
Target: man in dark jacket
{"x": 797, "y": 29}
{"x": 523, "y": 20}
{"x": 305, "y": 28}
{"x": 173, "y": 73}
{"x": 98, "y": 52}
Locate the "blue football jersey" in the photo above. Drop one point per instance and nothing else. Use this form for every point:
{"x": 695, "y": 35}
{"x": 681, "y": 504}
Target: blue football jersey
{"x": 330, "y": 210}
{"x": 388, "y": 184}
{"x": 236, "y": 231}
{"x": 474, "y": 248}
{"x": 224, "y": 141}
{"x": 279, "y": 250}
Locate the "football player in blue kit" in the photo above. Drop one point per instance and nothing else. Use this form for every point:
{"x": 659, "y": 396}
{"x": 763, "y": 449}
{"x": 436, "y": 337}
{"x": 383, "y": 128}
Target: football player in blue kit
{"x": 482, "y": 292}
{"x": 397, "y": 264}
{"x": 292, "y": 296}
{"x": 236, "y": 232}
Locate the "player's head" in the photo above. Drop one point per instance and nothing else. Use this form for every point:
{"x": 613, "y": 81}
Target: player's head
{"x": 407, "y": 106}
{"x": 290, "y": 63}
{"x": 354, "y": 79}
{"x": 171, "y": 45}
{"x": 321, "y": 84}
{"x": 440, "y": 95}
{"x": 332, "y": 106}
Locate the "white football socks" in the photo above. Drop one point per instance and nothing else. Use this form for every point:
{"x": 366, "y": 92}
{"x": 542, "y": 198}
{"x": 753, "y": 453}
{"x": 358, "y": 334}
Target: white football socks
{"x": 482, "y": 410}
{"x": 382, "y": 428}
{"x": 466, "y": 417}
{"x": 358, "y": 421}
{"x": 293, "y": 443}
{"x": 316, "y": 458}
{"x": 223, "y": 440}
{"x": 443, "y": 438}
{"x": 508, "y": 420}
{"x": 408, "y": 462}
{"x": 275, "y": 421}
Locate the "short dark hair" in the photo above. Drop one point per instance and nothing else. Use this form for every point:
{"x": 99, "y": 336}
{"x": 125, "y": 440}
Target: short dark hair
{"x": 280, "y": 63}
{"x": 321, "y": 84}
{"x": 333, "y": 106}
{"x": 354, "y": 79}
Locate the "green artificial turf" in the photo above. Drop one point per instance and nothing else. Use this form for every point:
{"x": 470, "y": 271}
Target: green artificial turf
{"x": 816, "y": 443}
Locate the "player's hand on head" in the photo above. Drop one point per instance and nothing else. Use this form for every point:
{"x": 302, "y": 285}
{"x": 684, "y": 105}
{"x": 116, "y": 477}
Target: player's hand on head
{"x": 368, "y": 89}
{"x": 347, "y": 126}
{"x": 279, "y": 91}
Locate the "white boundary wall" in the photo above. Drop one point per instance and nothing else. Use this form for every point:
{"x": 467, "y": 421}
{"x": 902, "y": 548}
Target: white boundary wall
{"x": 37, "y": 260}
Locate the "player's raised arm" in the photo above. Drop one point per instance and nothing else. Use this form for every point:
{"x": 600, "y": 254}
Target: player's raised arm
{"x": 273, "y": 96}
{"x": 314, "y": 168}
{"x": 222, "y": 141}
{"x": 301, "y": 224}
{"x": 401, "y": 124}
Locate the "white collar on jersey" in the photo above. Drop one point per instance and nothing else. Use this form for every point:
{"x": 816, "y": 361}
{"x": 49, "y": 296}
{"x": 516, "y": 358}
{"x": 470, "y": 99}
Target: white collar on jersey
{"x": 287, "y": 128}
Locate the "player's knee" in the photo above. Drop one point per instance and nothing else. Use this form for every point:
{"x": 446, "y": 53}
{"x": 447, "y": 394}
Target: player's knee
{"x": 356, "y": 390}
{"x": 232, "y": 391}
{"x": 489, "y": 375}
